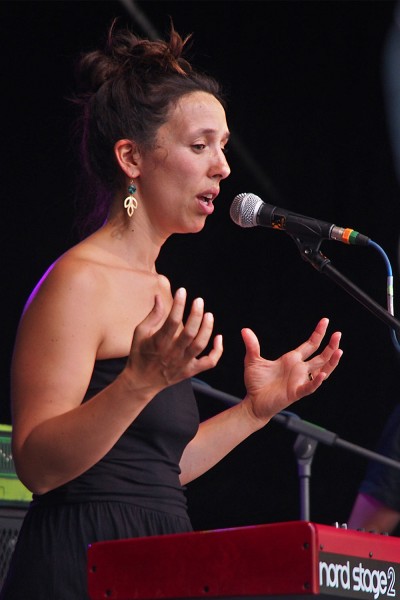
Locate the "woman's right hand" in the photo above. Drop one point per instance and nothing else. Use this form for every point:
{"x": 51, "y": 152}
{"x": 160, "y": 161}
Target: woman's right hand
{"x": 165, "y": 350}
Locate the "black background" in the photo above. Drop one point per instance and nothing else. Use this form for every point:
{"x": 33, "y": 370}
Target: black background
{"x": 310, "y": 133}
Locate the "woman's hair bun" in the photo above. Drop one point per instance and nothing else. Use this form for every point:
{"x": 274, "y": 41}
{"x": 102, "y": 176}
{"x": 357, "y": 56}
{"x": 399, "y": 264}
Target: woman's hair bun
{"x": 126, "y": 53}
{"x": 94, "y": 69}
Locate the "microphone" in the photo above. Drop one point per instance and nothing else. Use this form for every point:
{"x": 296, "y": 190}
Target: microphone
{"x": 248, "y": 210}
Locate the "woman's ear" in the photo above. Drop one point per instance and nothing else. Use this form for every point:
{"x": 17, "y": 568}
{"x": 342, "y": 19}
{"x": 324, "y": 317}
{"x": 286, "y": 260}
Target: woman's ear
{"x": 128, "y": 157}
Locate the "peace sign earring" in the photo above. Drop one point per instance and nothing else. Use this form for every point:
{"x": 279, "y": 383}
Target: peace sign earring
{"x": 130, "y": 202}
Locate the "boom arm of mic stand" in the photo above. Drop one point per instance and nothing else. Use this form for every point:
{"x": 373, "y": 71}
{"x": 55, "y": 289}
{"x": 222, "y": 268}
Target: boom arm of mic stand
{"x": 294, "y": 423}
{"x": 307, "y": 440}
{"x": 298, "y": 425}
{"x": 309, "y": 251}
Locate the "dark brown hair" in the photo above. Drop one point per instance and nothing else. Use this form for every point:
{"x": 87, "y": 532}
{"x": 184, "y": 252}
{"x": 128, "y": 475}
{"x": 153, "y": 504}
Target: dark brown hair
{"x": 127, "y": 91}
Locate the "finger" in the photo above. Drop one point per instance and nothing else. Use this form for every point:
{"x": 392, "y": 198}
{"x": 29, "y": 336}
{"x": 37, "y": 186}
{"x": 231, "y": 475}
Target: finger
{"x": 329, "y": 351}
{"x": 332, "y": 346}
{"x": 309, "y": 387}
{"x": 335, "y": 358}
{"x": 320, "y": 373}
{"x": 173, "y": 322}
{"x": 332, "y": 363}
{"x": 153, "y": 319}
{"x": 251, "y": 343}
{"x": 314, "y": 341}
{"x": 195, "y": 323}
{"x": 202, "y": 336}
{"x": 208, "y": 362}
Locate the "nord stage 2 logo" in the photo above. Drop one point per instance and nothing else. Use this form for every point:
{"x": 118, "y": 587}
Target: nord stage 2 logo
{"x": 358, "y": 577}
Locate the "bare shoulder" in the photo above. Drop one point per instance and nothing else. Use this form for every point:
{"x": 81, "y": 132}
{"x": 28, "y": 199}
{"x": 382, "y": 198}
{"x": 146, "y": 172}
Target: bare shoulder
{"x": 70, "y": 274}
{"x": 64, "y": 308}
{"x": 90, "y": 302}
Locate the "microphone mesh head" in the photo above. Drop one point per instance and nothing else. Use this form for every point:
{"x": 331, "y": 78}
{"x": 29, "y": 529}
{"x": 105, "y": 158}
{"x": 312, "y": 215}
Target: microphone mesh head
{"x": 245, "y": 208}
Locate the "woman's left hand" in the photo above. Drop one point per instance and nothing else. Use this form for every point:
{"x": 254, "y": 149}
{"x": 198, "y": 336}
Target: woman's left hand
{"x": 272, "y": 385}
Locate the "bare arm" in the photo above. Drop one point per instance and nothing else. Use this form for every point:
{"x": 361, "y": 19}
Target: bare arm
{"x": 271, "y": 387}
{"x": 372, "y": 515}
{"x": 55, "y": 436}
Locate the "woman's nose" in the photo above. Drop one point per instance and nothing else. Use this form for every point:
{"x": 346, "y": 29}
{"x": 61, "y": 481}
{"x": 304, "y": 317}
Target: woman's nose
{"x": 220, "y": 167}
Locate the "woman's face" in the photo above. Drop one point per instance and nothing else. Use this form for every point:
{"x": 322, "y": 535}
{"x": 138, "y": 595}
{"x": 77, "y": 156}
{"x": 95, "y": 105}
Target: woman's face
{"x": 180, "y": 178}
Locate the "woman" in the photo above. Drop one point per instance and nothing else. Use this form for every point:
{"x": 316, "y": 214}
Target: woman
{"x": 105, "y": 425}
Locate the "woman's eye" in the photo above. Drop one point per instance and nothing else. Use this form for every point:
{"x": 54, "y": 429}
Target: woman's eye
{"x": 198, "y": 147}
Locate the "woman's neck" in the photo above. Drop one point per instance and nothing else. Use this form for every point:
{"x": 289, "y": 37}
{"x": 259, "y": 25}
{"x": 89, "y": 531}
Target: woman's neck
{"x": 134, "y": 245}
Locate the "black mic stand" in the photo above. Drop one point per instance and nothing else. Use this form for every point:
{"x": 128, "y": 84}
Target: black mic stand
{"x": 306, "y": 442}
{"x": 309, "y": 250}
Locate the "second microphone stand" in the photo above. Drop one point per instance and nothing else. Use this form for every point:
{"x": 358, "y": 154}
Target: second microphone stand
{"x": 306, "y": 442}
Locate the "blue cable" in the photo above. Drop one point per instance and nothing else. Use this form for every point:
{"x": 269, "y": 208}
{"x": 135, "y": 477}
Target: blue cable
{"x": 390, "y": 292}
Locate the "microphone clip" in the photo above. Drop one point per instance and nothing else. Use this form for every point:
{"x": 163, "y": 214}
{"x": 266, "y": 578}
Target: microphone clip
{"x": 310, "y": 251}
